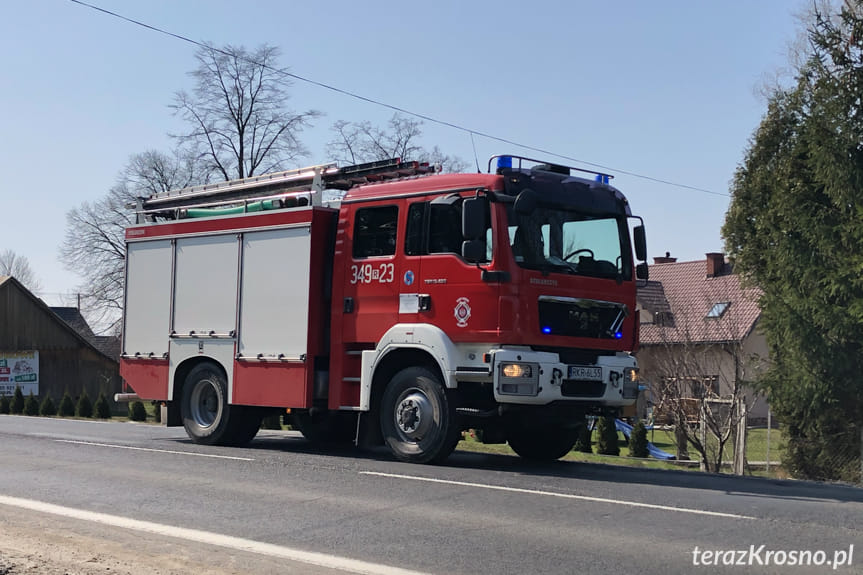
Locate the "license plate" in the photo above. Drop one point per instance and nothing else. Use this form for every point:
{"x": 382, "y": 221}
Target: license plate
{"x": 585, "y": 373}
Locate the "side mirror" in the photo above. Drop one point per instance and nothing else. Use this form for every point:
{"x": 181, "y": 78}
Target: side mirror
{"x": 641, "y": 271}
{"x": 640, "y": 244}
{"x": 473, "y": 251}
{"x": 474, "y": 219}
{"x": 525, "y": 202}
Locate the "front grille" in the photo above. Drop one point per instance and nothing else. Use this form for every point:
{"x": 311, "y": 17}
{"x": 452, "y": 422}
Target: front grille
{"x": 576, "y": 388}
{"x": 580, "y": 317}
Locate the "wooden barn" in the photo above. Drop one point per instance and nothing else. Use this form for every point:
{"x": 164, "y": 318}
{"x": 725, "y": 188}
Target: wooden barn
{"x": 42, "y": 353}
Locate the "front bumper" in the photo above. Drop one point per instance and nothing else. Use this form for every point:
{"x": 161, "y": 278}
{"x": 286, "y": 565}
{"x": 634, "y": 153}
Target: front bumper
{"x": 527, "y": 377}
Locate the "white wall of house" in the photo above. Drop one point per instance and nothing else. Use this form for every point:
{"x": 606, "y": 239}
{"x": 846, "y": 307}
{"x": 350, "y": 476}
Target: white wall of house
{"x": 710, "y": 360}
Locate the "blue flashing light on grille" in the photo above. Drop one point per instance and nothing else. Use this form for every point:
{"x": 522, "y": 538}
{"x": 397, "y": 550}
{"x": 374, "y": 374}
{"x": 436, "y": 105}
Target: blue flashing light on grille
{"x": 546, "y": 330}
{"x": 618, "y": 335}
{"x": 504, "y": 162}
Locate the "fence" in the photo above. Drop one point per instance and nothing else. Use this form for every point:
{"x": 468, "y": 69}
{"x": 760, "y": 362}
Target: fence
{"x": 836, "y": 457}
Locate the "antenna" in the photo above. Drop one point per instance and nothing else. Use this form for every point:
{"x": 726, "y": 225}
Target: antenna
{"x": 475, "y": 157}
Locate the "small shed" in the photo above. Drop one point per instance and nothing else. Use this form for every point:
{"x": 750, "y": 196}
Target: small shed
{"x": 43, "y": 354}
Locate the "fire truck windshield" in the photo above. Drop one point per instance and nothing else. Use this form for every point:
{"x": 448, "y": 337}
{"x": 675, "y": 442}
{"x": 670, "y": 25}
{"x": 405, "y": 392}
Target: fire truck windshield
{"x": 557, "y": 240}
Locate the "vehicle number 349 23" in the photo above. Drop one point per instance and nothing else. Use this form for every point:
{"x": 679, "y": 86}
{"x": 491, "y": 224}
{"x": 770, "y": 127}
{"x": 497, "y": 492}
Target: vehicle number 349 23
{"x": 368, "y": 273}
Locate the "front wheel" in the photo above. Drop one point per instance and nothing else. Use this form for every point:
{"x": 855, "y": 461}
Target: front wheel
{"x": 541, "y": 442}
{"x": 418, "y": 417}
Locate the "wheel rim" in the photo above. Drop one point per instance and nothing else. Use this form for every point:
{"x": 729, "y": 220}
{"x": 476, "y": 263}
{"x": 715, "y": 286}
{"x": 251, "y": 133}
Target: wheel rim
{"x": 205, "y": 404}
{"x": 414, "y": 415}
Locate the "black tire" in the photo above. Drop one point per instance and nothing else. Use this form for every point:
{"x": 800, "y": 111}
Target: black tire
{"x": 325, "y": 428}
{"x": 418, "y": 417}
{"x": 244, "y": 425}
{"x": 541, "y": 442}
{"x": 207, "y": 416}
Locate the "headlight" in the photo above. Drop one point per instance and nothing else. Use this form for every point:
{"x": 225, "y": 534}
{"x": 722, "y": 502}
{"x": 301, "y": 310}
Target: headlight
{"x": 519, "y": 370}
{"x": 518, "y": 379}
{"x": 630, "y": 383}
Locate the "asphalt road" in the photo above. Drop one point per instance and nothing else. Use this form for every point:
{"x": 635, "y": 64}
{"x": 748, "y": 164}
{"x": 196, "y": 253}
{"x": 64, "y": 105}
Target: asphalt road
{"x": 284, "y": 506}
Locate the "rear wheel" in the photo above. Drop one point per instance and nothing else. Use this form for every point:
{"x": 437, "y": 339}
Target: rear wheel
{"x": 418, "y": 417}
{"x": 207, "y": 416}
{"x": 541, "y": 442}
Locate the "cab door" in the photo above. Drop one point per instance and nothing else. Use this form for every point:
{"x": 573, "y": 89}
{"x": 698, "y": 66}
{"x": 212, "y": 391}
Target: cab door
{"x": 453, "y": 295}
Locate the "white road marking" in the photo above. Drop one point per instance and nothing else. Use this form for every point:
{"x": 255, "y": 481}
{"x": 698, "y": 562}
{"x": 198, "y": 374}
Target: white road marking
{"x": 561, "y": 495}
{"x": 154, "y": 450}
{"x": 209, "y": 538}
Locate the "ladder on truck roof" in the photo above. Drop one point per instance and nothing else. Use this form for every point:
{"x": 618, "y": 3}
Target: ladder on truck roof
{"x": 307, "y": 182}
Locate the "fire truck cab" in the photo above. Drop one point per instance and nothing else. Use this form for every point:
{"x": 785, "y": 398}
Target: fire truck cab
{"x": 414, "y": 307}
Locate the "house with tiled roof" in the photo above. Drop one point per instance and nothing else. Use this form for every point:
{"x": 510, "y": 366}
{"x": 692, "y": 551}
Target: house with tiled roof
{"x": 699, "y": 324}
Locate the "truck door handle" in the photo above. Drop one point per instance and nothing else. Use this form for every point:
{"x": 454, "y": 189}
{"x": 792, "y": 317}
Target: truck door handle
{"x": 348, "y": 305}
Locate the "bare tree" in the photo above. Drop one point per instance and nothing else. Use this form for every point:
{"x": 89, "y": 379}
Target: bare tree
{"x": 358, "y": 142}
{"x": 94, "y": 247}
{"x": 237, "y": 115}
{"x": 11, "y": 264}
{"x": 699, "y": 388}
{"x": 239, "y": 126}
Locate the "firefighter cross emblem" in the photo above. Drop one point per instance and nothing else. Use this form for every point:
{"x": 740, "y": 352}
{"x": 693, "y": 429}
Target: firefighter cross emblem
{"x": 462, "y": 311}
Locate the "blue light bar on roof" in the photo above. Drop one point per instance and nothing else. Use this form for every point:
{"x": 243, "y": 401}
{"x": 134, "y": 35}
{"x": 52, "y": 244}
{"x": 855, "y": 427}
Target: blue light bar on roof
{"x": 504, "y": 162}
{"x": 602, "y": 178}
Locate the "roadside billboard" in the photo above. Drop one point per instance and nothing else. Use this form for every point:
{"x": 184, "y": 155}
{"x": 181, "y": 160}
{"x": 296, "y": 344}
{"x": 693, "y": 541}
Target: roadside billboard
{"x": 19, "y": 369}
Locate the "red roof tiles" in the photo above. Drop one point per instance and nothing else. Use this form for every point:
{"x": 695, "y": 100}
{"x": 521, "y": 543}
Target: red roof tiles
{"x": 690, "y": 294}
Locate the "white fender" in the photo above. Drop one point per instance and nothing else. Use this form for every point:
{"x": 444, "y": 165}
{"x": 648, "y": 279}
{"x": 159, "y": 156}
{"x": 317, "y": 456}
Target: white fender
{"x": 421, "y": 336}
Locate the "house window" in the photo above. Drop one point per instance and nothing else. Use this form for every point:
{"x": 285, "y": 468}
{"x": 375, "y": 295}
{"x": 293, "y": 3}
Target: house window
{"x": 375, "y": 231}
{"x": 663, "y": 318}
{"x": 710, "y": 384}
{"x": 693, "y": 386}
{"x": 718, "y": 309}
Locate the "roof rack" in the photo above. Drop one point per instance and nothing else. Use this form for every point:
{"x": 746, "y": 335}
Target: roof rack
{"x": 312, "y": 180}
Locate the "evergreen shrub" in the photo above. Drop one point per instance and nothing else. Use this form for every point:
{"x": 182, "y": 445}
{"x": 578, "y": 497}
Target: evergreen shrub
{"x": 17, "y": 405}
{"x": 607, "y": 441}
{"x": 47, "y": 408}
{"x": 84, "y": 408}
{"x": 67, "y": 407}
{"x": 102, "y": 407}
{"x": 31, "y": 405}
{"x": 137, "y": 411}
{"x": 638, "y": 440}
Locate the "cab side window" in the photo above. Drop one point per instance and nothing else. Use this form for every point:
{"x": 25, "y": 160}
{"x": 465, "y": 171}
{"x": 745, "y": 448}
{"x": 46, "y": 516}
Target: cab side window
{"x": 436, "y": 229}
{"x": 414, "y": 236}
{"x": 445, "y": 229}
{"x": 375, "y": 231}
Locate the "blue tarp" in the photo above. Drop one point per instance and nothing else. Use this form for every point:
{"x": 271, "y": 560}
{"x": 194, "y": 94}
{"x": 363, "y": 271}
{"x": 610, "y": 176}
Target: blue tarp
{"x": 654, "y": 451}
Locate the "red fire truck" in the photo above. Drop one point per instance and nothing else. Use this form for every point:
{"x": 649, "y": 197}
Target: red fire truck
{"x": 387, "y": 303}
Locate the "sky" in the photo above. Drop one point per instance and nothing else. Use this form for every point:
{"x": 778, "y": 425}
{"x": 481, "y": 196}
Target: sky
{"x": 664, "y": 90}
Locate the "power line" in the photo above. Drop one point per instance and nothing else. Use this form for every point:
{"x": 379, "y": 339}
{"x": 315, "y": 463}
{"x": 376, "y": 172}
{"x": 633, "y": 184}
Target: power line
{"x": 398, "y": 109}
